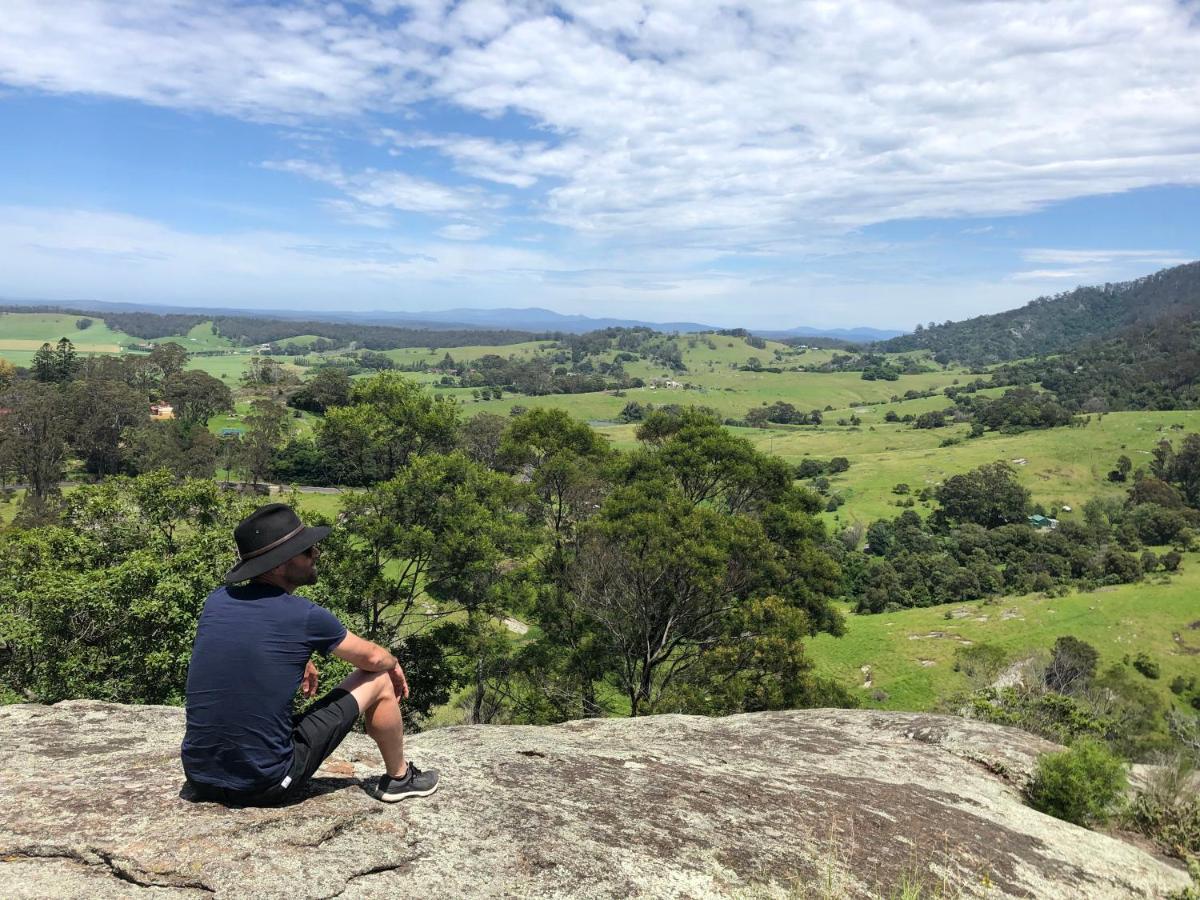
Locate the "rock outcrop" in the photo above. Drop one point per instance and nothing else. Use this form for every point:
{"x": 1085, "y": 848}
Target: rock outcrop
{"x": 827, "y": 803}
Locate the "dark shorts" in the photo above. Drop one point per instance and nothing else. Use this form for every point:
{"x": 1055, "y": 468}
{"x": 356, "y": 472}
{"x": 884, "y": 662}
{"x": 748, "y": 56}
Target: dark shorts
{"x": 315, "y": 735}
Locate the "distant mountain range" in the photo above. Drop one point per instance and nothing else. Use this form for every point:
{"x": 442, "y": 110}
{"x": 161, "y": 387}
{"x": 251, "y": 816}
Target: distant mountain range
{"x": 1061, "y": 323}
{"x": 531, "y": 318}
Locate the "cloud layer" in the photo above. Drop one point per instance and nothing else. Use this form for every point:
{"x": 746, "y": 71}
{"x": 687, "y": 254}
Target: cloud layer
{"x": 707, "y": 129}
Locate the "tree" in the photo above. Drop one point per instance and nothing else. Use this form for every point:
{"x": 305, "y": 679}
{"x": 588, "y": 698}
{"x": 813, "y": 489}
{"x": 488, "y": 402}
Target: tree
{"x": 480, "y": 438}
{"x": 187, "y": 451}
{"x": 169, "y": 358}
{"x": 659, "y": 574}
{"x": 263, "y": 370}
{"x": 564, "y": 460}
{"x": 8, "y": 374}
{"x": 329, "y": 387}
{"x": 711, "y": 465}
{"x": 45, "y": 366}
{"x": 33, "y": 439}
{"x": 757, "y": 663}
{"x": 1180, "y": 468}
{"x": 439, "y": 538}
{"x": 1120, "y": 472}
{"x": 197, "y": 396}
{"x": 65, "y": 361}
{"x": 388, "y": 420}
{"x": 266, "y": 425}
{"x": 989, "y": 496}
{"x": 104, "y": 605}
{"x": 101, "y": 411}
{"x": 1072, "y": 665}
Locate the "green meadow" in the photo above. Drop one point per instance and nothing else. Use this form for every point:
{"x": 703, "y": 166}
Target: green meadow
{"x": 910, "y": 653}
{"x": 21, "y": 334}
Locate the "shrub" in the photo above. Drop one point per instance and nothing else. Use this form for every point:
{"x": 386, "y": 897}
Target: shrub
{"x": 1180, "y": 685}
{"x": 1146, "y": 665}
{"x": 980, "y": 661}
{"x": 1168, "y": 810}
{"x": 1081, "y": 784}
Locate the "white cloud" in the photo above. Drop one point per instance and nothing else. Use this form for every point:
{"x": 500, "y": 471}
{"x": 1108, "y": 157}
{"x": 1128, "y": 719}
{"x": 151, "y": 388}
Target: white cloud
{"x": 670, "y": 135}
{"x": 679, "y": 120}
{"x": 121, "y": 257}
{"x": 116, "y": 256}
{"x": 1079, "y": 257}
{"x": 1082, "y": 266}
{"x": 355, "y": 214}
{"x": 1044, "y": 274}
{"x": 389, "y": 189}
{"x": 462, "y": 232}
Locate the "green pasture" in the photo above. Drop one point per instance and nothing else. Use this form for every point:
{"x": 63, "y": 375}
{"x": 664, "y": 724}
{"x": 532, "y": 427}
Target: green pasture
{"x": 229, "y": 367}
{"x": 911, "y": 652}
{"x": 732, "y": 393}
{"x": 1059, "y": 465}
{"x": 302, "y": 340}
{"x": 199, "y": 337}
{"x": 43, "y": 327}
{"x": 409, "y": 355}
{"x": 21, "y": 334}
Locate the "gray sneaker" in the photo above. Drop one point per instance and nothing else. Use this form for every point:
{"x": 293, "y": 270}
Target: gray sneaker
{"x": 415, "y": 783}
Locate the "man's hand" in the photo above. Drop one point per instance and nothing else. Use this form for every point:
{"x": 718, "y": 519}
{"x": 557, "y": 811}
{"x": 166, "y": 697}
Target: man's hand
{"x": 399, "y": 682}
{"x": 308, "y": 684}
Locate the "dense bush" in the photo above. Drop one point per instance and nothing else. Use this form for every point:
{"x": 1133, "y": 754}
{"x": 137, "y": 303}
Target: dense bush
{"x": 1081, "y": 784}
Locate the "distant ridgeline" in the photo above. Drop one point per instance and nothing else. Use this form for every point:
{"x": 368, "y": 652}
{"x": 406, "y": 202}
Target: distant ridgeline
{"x": 249, "y": 331}
{"x": 1061, "y": 324}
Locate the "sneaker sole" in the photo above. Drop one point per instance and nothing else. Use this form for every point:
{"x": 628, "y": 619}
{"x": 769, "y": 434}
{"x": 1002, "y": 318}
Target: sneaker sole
{"x": 395, "y": 798}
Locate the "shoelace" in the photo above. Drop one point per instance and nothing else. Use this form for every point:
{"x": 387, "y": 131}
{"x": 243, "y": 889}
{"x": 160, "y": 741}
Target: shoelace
{"x": 412, "y": 773}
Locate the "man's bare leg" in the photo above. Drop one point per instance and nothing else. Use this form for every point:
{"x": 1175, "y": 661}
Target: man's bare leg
{"x": 376, "y": 698}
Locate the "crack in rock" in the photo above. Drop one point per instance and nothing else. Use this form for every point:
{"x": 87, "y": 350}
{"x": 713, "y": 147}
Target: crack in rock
{"x": 101, "y": 859}
{"x": 374, "y": 870}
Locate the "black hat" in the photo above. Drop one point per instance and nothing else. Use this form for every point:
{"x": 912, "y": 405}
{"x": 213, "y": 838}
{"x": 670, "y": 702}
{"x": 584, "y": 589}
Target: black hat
{"x": 270, "y": 535}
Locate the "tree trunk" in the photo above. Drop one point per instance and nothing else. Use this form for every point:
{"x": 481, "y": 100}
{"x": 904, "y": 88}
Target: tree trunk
{"x": 477, "y": 710}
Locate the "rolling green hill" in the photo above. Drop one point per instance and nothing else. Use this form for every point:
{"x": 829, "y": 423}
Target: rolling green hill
{"x": 1060, "y": 323}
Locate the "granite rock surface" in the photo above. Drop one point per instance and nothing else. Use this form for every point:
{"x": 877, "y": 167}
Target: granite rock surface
{"x": 828, "y": 803}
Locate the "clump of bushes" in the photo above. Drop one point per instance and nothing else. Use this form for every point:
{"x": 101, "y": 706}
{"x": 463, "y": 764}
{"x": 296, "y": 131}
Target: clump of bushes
{"x": 1081, "y": 784}
{"x": 1144, "y": 664}
{"x": 1168, "y": 810}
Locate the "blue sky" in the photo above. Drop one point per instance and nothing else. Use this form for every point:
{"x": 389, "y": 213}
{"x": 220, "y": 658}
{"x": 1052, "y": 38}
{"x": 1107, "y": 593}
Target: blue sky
{"x": 762, "y": 164}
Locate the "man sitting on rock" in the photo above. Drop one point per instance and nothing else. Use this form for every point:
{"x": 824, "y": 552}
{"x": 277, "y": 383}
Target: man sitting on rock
{"x": 252, "y": 649}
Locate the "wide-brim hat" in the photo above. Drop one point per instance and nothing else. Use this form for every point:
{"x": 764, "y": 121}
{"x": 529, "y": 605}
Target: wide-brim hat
{"x": 270, "y": 535}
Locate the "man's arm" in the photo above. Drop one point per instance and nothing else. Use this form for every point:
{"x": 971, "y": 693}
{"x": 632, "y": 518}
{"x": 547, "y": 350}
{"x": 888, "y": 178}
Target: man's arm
{"x": 364, "y": 654}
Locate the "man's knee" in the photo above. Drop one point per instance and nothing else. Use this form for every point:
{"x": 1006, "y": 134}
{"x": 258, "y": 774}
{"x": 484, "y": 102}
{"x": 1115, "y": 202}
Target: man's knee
{"x": 370, "y": 688}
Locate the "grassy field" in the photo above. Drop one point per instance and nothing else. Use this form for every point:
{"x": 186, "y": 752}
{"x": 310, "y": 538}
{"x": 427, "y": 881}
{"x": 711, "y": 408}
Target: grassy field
{"x": 1058, "y": 465}
{"x": 731, "y": 393}
{"x": 409, "y": 355}
{"x": 911, "y": 653}
{"x": 200, "y": 337}
{"x": 21, "y": 334}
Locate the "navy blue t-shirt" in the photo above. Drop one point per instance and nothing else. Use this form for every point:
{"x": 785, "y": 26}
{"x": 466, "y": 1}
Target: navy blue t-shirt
{"x": 252, "y": 643}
